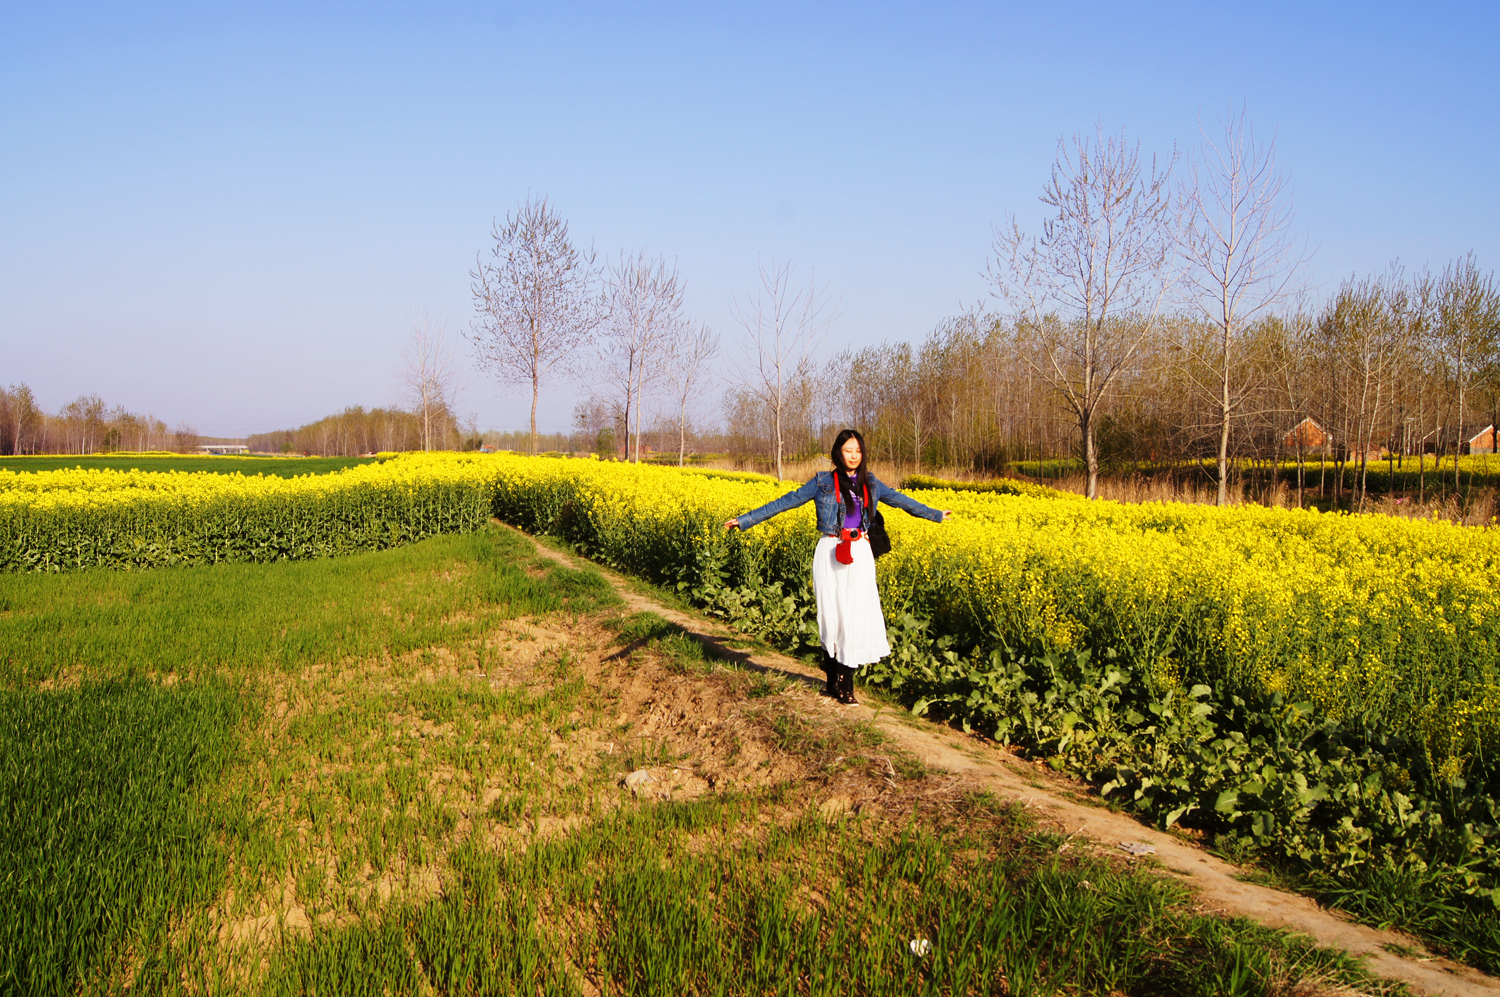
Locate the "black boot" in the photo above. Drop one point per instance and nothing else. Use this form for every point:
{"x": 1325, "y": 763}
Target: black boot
{"x": 831, "y": 670}
{"x": 846, "y": 686}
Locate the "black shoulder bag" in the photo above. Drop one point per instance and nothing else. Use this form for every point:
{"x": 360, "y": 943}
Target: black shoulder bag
{"x": 880, "y": 540}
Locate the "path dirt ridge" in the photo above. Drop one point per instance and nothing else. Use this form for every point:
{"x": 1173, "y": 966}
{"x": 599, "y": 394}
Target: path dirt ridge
{"x": 1058, "y": 803}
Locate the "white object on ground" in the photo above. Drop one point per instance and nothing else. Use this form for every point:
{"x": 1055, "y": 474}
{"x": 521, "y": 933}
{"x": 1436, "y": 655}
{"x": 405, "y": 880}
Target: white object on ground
{"x": 1137, "y": 848}
{"x": 920, "y": 946}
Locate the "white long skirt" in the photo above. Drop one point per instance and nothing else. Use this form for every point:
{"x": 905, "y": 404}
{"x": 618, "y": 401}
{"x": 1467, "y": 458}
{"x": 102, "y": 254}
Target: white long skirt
{"x": 850, "y": 621}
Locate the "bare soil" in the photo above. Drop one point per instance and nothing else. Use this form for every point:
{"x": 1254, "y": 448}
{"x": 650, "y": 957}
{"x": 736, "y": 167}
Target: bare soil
{"x": 712, "y": 723}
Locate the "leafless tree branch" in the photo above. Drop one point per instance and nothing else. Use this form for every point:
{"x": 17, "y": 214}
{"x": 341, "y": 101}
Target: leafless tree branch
{"x": 1090, "y": 288}
{"x": 784, "y": 324}
{"x": 534, "y": 299}
{"x": 428, "y": 374}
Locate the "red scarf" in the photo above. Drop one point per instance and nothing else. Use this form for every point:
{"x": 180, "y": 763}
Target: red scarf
{"x": 842, "y": 553}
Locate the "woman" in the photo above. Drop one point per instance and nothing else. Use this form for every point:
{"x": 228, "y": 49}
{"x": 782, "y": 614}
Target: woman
{"x": 850, "y": 622}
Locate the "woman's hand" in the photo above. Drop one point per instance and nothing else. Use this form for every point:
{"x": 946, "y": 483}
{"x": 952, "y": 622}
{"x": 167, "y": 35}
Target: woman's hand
{"x": 946, "y": 514}
{"x": 732, "y": 524}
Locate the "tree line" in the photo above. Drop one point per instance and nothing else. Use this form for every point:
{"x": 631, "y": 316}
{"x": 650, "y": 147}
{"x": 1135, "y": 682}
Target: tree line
{"x": 357, "y": 430}
{"x": 85, "y": 425}
{"x": 1390, "y": 367}
{"x": 1157, "y": 318}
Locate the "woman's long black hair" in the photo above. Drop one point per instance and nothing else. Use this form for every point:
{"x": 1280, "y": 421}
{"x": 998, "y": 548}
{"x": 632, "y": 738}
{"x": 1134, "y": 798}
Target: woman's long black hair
{"x": 861, "y": 476}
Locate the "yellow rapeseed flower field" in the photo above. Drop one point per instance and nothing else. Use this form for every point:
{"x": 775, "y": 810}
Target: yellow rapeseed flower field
{"x": 1389, "y": 621}
{"x": 55, "y": 520}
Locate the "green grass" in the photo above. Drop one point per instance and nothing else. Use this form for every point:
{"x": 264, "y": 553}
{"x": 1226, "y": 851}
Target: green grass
{"x": 398, "y": 773}
{"x": 1055, "y": 467}
{"x": 203, "y": 620}
{"x": 109, "y": 829}
{"x": 670, "y": 598}
{"x": 1410, "y": 899}
{"x": 730, "y": 896}
{"x": 282, "y": 467}
{"x": 681, "y": 651}
{"x": 202, "y": 742}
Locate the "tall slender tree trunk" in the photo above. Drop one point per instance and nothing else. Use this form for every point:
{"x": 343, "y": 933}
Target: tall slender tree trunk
{"x": 1086, "y": 417}
{"x": 640, "y": 383}
{"x": 1301, "y": 472}
{"x": 536, "y": 390}
{"x": 916, "y": 437}
{"x": 1359, "y": 435}
{"x": 1458, "y": 441}
{"x": 629, "y": 397}
{"x": 778, "y": 443}
{"x": 1223, "y": 498}
{"x": 1224, "y": 402}
{"x": 1090, "y": 455}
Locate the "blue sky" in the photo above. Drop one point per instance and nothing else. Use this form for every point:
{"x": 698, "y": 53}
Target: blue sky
{"x": 229, "y": 216}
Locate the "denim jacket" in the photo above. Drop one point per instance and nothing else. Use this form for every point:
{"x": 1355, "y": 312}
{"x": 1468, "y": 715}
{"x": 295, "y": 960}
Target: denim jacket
{"x": 820, "y": 490}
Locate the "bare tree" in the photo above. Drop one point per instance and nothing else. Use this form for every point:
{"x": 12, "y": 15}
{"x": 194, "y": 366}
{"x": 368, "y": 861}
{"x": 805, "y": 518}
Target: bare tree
{"x": 1291, "y": 354}
{"x": 688, "y": 356}
{"x": 535, "y": 300}
{"x": 643, "y": 305}
{"x": 596, "y": 421}
{"x": 83, "y": 418}
{"x": 1371, "y": 324}
{"x": 783, "y": 325}
{"x": 1466, "y": 333}
{"x": 427, "y": 373}
{"x": 19, "y": 420}
{"x": 1089, "y": 290}
{"x": 1238, "y": 260}
{"x": 185, "y": 438}
{"x": 745, "y": 420}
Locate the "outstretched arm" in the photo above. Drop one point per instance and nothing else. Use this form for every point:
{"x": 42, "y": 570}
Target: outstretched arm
{"x": 788, "y": 501}
{"x": 906, "y": 503}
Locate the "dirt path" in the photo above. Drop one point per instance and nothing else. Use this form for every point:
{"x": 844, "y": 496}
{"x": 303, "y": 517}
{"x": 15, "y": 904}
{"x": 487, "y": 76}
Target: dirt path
{"x": 1057, "y": 802}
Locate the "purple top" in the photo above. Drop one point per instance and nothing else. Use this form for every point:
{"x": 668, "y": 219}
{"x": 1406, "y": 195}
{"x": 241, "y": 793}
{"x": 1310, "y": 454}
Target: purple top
{"x": 856, "y": 514}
